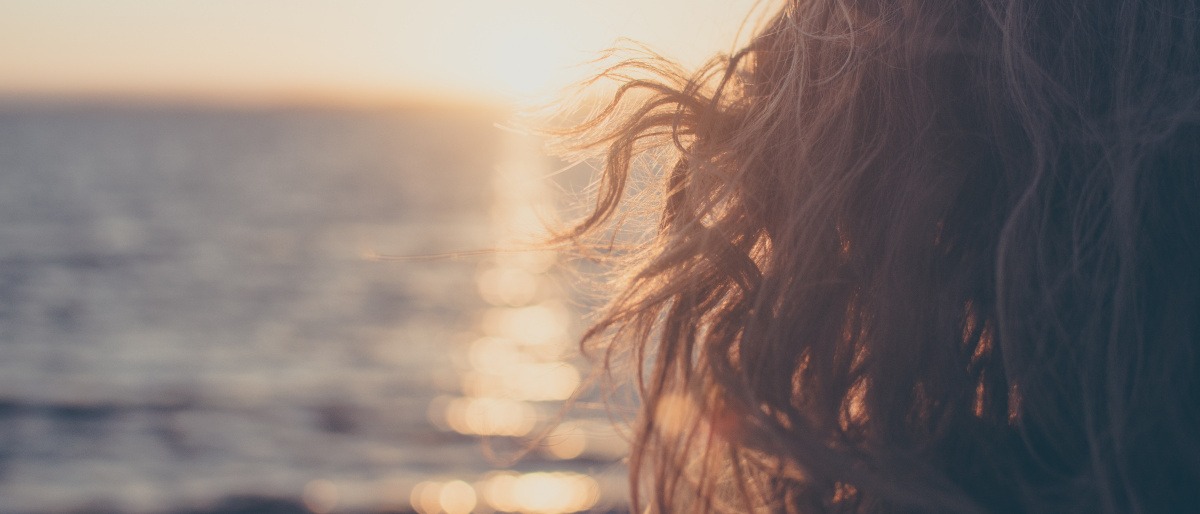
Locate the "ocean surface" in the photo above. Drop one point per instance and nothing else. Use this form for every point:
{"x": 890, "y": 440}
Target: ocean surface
{"x": 234, "y": 310}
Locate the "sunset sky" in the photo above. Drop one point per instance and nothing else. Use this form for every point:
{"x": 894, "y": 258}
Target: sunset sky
{"x": 351, "y": 50}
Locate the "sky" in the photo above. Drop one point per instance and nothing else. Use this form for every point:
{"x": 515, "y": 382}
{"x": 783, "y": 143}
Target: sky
{"x": 344, "y": 50}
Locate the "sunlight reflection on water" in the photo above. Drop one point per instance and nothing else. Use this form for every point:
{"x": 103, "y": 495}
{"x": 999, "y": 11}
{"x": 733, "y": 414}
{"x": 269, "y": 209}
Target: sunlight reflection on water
{"x": 199, "y": 313}
{"x": 517, "y": 374}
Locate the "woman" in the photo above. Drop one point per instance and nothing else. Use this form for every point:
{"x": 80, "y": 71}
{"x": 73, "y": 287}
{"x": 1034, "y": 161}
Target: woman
{"x": 915, "y": 256}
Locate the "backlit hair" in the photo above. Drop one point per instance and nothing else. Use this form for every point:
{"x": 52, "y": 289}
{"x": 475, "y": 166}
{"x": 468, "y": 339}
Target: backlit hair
{"x": 914, "y": 256}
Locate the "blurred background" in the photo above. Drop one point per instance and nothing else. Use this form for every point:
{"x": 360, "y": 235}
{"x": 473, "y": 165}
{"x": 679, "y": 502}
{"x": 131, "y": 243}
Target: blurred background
{"x": 236, "y": 254}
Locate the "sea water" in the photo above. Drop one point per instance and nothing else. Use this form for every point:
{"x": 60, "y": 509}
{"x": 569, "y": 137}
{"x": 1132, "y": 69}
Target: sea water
{"x": 222, "y": 309}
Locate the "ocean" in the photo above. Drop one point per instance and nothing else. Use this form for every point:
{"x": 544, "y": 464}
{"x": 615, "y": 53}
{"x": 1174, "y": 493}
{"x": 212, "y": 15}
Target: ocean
{"x": 208, "y": 309}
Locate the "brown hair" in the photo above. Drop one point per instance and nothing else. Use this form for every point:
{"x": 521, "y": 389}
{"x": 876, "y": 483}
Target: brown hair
{"x": 915, "y": 255}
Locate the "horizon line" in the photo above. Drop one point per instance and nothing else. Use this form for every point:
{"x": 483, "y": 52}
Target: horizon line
{"x": 280, "y": 100}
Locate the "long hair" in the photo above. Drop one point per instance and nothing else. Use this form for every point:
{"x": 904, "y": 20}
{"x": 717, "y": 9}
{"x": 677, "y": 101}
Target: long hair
{"x": 914, "y": 255}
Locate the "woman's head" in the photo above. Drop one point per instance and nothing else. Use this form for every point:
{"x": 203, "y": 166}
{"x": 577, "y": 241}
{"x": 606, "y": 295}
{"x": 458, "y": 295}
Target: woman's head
{"x": 917, "y": 255}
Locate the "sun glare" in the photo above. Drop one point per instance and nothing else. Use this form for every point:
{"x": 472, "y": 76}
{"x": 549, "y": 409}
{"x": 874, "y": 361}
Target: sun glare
{"x": 526, "y": 57}
{"x": 513, "y": 50}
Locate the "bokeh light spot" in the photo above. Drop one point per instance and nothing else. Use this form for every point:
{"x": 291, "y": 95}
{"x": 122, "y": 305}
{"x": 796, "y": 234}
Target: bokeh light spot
{"x": 457, "y": 497}
{"x": 320, "y": 496}
{"x": 566, "y": 441}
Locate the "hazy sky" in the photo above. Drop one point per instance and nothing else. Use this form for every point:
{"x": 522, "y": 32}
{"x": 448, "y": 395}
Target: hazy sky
{"x": 264, "y": 49}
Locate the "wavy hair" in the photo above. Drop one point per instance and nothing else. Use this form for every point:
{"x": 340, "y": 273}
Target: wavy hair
{"x": 913, "y": 255}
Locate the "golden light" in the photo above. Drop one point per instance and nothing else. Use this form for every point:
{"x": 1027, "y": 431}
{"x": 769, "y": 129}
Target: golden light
{"x": 552, "y": 493}
{"x": 523, "y": 223}
{"x": 490, "y": 416}
{"x": 535, "y": 382}
{"x": 566, "y": 442}
{"x": 426, "y": 497}
{"x": 497, "y": 491}
{"x": 507, "y": 286}
{"x": 351, "y": 50}
{"x": 527, "y": 55}
{"x": 595, "y": 439}
{"x": 494, "y": 354}
{"x": 535, "y": 261}
{"x": 456, "y": 497}
{"x": 540, "y": 493}
{"x": 543, "y": 324}
{"x": 453, "y": 497}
